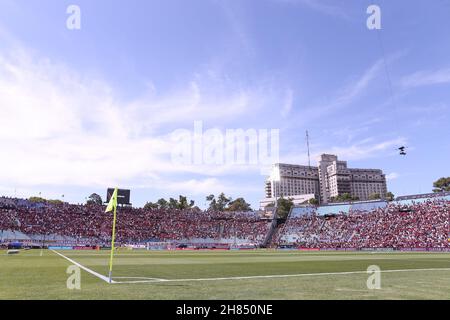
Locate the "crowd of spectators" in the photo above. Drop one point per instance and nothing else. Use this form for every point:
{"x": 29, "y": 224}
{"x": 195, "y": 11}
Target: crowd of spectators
{"x": 420, "y": 225}
{"x": 133, "y": 224}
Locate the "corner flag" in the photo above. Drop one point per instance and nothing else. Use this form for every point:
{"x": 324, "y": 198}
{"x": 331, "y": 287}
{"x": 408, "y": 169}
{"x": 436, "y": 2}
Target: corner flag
{"x": 112, "y": 202}
{"x": 112, "y": 206}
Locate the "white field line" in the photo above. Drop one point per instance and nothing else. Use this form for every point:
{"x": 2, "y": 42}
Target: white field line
{"x": 155, "y": 280}
{"x": 98, "y": 275}
{"x": 274, "y": 276}
{"x": 145, "y": 279}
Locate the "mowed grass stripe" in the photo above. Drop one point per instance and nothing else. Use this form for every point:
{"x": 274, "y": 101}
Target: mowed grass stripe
{"x": 30, "y": 276}
{"x": 178, "y": 266}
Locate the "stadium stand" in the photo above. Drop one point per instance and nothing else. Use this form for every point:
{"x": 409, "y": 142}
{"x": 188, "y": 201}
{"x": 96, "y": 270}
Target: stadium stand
{"x": 416, "y": 222}
{"x": 422, "y": 224}
{"x": 337, "y": 208}
{"x": 367, "y": 206}
{"x": 334, "y": 209}
{"x": 300, "y": 211}
{"x": 67, "y": 223}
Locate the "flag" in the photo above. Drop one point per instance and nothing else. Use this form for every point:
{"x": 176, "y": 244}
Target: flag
{"x": 112, "y": 202}
{"x": 112, "y": 206}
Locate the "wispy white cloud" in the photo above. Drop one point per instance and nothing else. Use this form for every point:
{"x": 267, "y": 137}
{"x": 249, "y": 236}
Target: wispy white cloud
{"x": 392, "y": 176}
{"x": 320, "y": 6}
{"x": 197, "y": 186}
{"x": 426, "y": 78}
{"x": 368, "y": 148}
{"x": 342, "y": 98}
{"x": 349, "y": 133}
{"x": 58, "y": 127}
{"x": 352, "y": 91}
{"x": 288, "y": 103}
{"x": 233, "y": 16}
{"x": 361, "y": 150}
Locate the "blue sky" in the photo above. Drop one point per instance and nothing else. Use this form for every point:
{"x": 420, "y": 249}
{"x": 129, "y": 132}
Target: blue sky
{"x": 82, "y": 110}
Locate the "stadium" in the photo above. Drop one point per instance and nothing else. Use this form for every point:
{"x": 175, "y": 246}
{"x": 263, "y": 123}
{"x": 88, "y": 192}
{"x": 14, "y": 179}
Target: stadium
{"x": 217, "y": 150}
{"x": 213, "y": 253}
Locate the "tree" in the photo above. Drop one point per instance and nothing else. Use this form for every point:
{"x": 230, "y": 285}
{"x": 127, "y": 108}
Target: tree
{"x": 239, "y": 205}
{"x": 162, "y": 203}
{"x": 314, "y": 201}
{"x": 151, "y": 206}
{"x": 42, "y": 200}
{"x": 218, "y": 204}
{"x": 375, "y": 196}
{"x": 284, "y": 207}
{"x": 212, "y": 202}
{"x": 222, "y": 202}
{"x": 390, "y": 196}
{"x": 344, "y": 197}
{"x": 173, "y": 203}
{"x": 55, "y": 202}
{"x": 442, "y": 185}
{"x": 94, "y": 199}
{"x": 183, "y": 203}
{"x": 37, "y": 200}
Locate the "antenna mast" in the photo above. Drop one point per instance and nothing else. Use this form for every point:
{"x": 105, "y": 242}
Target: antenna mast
{"x": 307, "y": 144}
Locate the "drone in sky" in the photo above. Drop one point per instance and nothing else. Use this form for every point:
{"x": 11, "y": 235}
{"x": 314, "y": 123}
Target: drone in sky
{"x": 402, "y": 150}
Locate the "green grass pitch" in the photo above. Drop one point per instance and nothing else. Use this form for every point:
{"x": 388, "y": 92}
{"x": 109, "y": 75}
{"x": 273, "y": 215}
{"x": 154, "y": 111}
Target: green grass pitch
{"x": 30, "y": 275}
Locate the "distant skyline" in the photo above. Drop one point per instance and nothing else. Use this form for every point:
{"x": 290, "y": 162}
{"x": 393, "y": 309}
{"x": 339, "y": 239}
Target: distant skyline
{"x": 84, "y": 110}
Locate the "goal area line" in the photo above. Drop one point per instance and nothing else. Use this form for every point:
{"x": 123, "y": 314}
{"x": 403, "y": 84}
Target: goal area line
{"x": 136, "y": 280}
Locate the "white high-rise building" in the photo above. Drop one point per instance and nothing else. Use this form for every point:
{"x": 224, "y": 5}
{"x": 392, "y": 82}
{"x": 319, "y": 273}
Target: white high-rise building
{"x": 331, "y": 178}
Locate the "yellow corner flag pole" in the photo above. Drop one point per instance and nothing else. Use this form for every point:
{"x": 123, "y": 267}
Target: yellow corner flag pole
{"x": 112, "y": 206}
